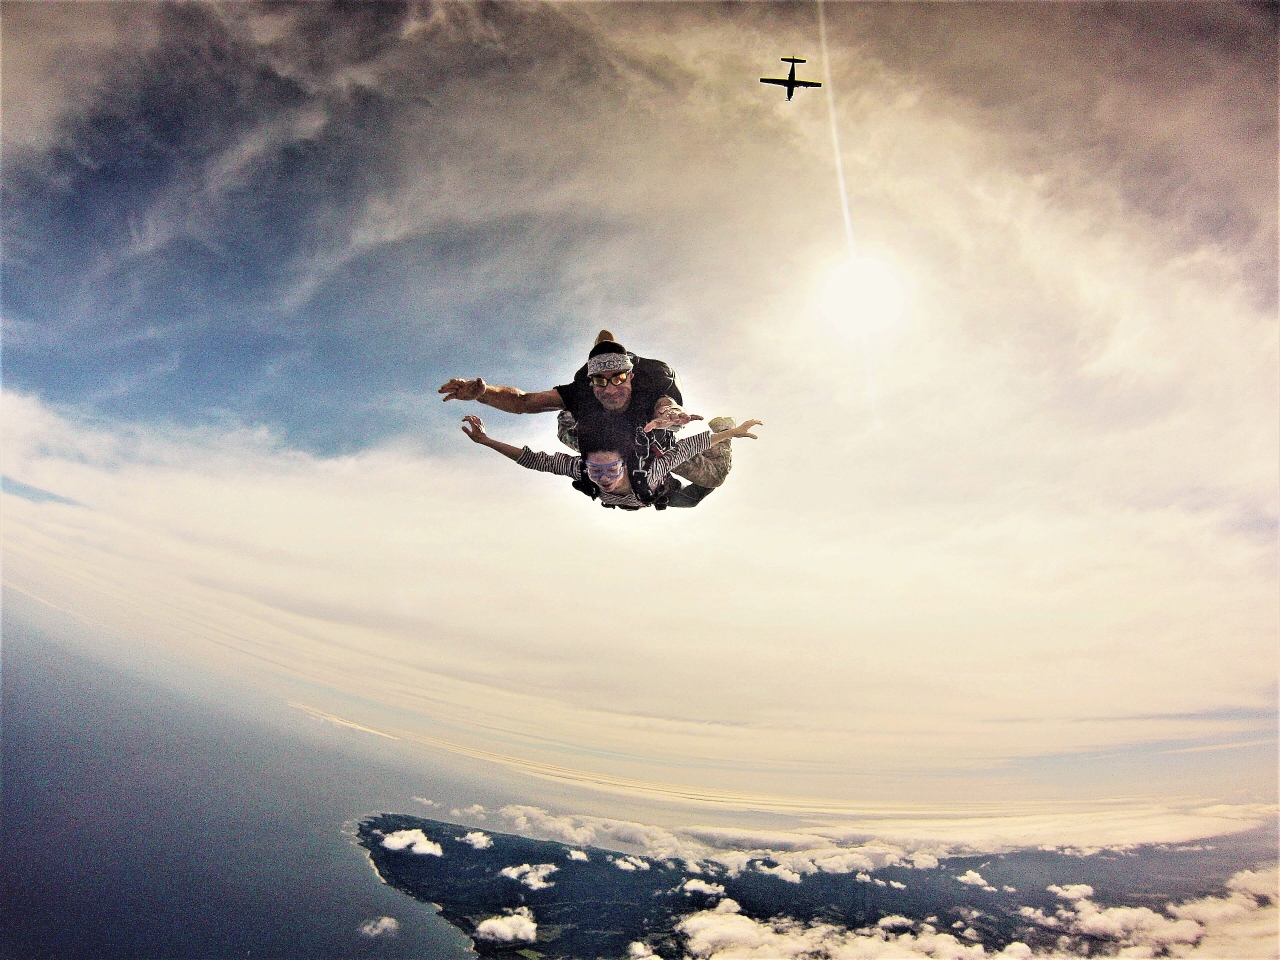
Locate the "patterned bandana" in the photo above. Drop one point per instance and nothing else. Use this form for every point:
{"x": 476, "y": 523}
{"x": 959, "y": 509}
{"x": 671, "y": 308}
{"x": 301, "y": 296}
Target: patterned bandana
{"x": 608, "y": 363}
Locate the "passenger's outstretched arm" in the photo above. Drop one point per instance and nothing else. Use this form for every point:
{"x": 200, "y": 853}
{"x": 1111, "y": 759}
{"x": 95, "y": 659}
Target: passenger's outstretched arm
{"x": 508, "y": 399}
{"x": 559, "y": 463}
{"x": 473, "y": 427}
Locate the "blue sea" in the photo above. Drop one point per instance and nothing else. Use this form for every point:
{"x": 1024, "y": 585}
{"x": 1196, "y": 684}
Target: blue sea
{"x": 140, "y": 823}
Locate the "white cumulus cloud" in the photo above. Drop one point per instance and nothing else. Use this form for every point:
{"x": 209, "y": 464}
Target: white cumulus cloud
{"x": 894, "y": 922}
{"x": 415, "y": 841}
{"x": 1072, "y": 891}
{"x": 480, "y": 841}
{"x": 533, "y": 876}
{"x": 578, "y": 855}
{"x": 1243, "y": 924}
{"x": 973, "y": 879}
{"x": 721, "y": 935}
{"x": 695, "y": 885}
{"x": 516, "y": 925}
{"x": 781, "y": 871}
{"x": 629, "y": 863}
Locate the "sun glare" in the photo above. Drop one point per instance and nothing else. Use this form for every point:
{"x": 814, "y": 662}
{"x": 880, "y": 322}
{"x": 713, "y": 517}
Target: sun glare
{"x": 862, "y": 297}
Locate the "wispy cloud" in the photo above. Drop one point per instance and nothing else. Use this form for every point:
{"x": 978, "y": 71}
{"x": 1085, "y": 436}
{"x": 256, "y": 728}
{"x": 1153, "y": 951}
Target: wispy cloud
{"x": 380, "y": 927}
{"x": 338, "y": 721}
{"x": 34, "y": 494}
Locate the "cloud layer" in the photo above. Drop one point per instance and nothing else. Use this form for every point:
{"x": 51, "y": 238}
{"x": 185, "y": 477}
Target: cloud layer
{"x": 1242, "y": 925}
{"x": 1022, "y": 545}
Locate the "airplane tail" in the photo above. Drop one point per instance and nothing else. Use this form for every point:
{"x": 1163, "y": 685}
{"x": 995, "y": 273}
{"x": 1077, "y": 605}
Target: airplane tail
{"x": 793, "y": 60}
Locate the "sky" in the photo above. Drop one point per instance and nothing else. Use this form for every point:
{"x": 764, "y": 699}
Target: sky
{"x": 1016, "y": 549}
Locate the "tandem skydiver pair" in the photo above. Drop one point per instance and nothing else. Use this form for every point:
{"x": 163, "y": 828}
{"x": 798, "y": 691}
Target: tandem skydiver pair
{"x": 620, "y": 413}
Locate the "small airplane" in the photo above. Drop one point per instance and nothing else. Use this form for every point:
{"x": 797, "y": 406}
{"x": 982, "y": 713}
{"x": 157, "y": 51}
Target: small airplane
{"x": 791, "y": 82}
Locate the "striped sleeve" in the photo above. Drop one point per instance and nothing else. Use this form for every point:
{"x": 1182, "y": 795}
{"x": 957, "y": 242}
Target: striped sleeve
{"x": 686, "y": 449}
{"x": 560, "y": 464}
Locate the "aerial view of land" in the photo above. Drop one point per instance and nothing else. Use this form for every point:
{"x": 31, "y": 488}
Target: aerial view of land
{"x": 542, "y": 899}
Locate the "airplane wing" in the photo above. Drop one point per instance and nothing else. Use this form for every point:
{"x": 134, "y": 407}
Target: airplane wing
{"x": 806, "y": 83}
{"x": 781, "y": 83}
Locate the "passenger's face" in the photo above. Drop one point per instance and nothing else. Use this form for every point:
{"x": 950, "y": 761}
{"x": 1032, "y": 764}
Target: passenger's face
{"x": 614, "y": 397}
{"x": 608, "y": 471}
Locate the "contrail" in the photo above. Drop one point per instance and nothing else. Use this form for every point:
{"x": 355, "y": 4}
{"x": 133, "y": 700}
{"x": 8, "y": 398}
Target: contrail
{"x": 872, "y": 393}
{"x": 835, "y": 133}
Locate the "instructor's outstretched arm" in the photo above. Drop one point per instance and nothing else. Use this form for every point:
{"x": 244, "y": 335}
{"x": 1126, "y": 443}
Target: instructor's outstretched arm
{"x": 508, "y": 399}
{"x": 741, "y": 430}
{"x": 669, "y": 415}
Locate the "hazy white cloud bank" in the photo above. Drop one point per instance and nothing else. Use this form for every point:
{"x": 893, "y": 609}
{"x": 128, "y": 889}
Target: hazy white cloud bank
{"x": 863, "y": 847}
{"x": 331, "y": 570}
{"x": 1244, "y": 924}
{"x": 724, "y": 932}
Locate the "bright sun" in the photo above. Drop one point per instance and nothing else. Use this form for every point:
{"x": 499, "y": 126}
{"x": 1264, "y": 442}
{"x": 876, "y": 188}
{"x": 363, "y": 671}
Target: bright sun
{"x": 862, "y": 297}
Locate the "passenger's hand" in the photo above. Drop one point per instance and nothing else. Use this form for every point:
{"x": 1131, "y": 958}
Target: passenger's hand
{"x": 473, "y": 427}
{"x": 744, "y": 429}
{"x": 459, "y": 389}
{"x": 670, "y": 417}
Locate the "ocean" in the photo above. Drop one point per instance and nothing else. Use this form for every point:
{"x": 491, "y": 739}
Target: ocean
{"x": 140, "y": 823}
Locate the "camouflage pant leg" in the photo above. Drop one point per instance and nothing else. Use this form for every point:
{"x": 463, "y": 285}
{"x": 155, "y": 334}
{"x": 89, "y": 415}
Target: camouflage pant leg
{"x": 567, "y": 430}
{"x": 708, "y": 469}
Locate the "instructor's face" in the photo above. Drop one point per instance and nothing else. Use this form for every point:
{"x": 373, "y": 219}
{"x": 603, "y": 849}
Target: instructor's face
{"x": 614, "y": 397}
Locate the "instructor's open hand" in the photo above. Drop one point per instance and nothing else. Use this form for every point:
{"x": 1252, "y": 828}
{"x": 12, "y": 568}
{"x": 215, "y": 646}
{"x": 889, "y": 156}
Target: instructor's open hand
{"x": 744, "y": 429}
{"x": 670, "y": 417}
{"x": 459, "y": 389}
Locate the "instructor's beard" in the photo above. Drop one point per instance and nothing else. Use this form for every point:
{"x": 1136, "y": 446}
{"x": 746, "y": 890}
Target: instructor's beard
{"x": 614, "y": 398}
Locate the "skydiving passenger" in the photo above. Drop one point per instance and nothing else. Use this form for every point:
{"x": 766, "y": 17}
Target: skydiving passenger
{"x": 614, "y": 383}
{"x": 611, "y": 471}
